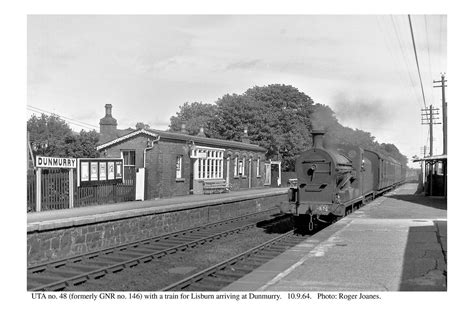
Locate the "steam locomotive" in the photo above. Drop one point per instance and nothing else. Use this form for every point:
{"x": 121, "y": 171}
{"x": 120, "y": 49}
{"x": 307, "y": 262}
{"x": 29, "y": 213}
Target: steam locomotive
{"x": 332, "y": 183}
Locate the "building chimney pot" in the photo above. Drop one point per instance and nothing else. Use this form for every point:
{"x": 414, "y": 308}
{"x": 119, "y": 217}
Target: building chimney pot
{"x": 108, "y": 125}
{"x": 245, "y": 137}
{"x": 201, "y": 132}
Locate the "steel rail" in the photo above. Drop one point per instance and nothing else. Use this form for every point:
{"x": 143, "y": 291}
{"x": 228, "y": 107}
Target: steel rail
{"x": 77, "y": 258}
{"x": 222, "y": 265}
{"x": 63, "y": 283}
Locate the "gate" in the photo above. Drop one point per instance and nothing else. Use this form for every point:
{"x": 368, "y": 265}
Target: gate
{"x": 54, "y": 189}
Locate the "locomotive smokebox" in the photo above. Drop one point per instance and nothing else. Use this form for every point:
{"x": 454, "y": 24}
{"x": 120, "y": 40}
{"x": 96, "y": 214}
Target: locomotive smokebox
{"x": 318, "y": 138}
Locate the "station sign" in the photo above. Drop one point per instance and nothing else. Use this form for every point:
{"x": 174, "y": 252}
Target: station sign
{"x": 55, "y": 162}
{"x": 195, "y": 154}
{"x": 94, "y": 171}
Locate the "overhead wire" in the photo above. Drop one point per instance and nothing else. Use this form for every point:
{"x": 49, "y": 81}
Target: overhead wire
{"x": 392, "y": 55}
{"x": 70, "y": 120}
{"x": 416, "y": 58}
{"x": 404, "y": 58}
{"x": 440, "y": 41}
{"x": 429, "y": 57}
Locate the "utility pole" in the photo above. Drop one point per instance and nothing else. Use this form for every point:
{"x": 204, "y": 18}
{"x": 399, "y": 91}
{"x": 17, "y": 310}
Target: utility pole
{"x": 445, "y": 129}
{"x": 428, "y": 116}
{"x": 445, "y": 112}
{"x": 423, "y": 151}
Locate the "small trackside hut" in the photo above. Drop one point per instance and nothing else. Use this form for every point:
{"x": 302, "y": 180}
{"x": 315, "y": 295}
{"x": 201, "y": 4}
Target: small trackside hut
{"x": 175, "y": 163}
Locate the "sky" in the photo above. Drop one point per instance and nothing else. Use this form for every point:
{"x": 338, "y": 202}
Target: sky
{"x": 146, "y": 66}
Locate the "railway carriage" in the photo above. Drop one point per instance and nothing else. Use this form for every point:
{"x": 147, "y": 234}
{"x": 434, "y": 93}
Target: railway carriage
{"x": 332, "y": 183}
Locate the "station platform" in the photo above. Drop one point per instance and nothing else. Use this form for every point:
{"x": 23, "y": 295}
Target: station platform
{"x": 59, "y": 234}
{"x": 85, "y": 215}
{"x": 398, "y": 242}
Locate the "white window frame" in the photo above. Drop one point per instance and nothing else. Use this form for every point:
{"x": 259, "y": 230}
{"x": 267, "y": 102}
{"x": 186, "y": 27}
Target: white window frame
{"x": 209, "y": 162}
{"x": 127, "y": 167}
{"x": 128, "y": 153}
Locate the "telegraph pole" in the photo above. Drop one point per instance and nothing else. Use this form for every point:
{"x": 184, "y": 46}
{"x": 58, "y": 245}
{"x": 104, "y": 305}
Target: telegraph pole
{"x": 428, "y": 116}
{"x": 445, "y": 129}
{"x": 445, "y": 112}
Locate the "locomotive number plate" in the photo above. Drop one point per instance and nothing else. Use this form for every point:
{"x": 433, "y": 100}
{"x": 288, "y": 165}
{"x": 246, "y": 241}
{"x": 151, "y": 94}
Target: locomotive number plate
{"x": 323, "y": 208}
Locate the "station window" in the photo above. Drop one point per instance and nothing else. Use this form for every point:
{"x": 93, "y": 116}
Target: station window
{"x": 179, "y": 166}
{"x": 209, "y": 163}
{"x": 236, "y": 173}
{"x": 128, "y": 157}
{"x": 129, "y": 163}
{"x": 258, "y": 167}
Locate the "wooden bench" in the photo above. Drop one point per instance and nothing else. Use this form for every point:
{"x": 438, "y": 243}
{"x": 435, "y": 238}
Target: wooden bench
{"x": 214, "y": 186}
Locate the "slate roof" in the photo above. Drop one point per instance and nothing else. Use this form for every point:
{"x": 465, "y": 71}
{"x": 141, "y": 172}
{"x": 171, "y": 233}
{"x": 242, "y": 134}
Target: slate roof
{"x": 183, "y": 137}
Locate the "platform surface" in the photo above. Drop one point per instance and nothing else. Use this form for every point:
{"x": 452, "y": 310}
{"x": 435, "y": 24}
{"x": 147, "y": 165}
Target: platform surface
{"x": 396, "y": 243}
{"x": 66, "y": 217}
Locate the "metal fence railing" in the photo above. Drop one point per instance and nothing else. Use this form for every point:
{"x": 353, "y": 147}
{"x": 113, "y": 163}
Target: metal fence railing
{"x": 55, "y": 191}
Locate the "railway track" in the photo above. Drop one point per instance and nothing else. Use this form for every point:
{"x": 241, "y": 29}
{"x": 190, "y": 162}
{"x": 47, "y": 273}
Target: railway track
{"x": 222, "y": 274}
{"x": 59, "y": 274}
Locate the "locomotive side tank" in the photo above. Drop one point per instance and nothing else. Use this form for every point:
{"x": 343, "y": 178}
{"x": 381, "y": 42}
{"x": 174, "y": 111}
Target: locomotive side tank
{"x": 363, "y": 168}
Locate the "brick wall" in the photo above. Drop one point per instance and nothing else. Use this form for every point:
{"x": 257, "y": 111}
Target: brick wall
{"x": 66, "y": 242}
{"x": 137, "y": 143}
{"x": 161, "y": 180}
{"x": 242, "y": 182}
{"x": 160, "y": 164}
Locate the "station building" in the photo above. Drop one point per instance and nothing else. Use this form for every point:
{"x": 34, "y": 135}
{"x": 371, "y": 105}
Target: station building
{"x": 168, "y": 164}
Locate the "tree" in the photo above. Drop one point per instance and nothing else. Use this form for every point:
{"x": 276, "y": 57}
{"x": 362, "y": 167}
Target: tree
{"x": 141, "y": 125}
{"x": 48, "y": 135}
{"x": 277, "y": 118}
{"x": 83, "y": 144}
{"x": 393, "y": 151}
{"x": 52, "y": 136}
{"x": 195, "y": 116}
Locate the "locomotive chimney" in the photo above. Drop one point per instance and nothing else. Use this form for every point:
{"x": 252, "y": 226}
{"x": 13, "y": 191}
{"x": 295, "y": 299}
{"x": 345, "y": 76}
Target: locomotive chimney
{"x": 318, "y": 138}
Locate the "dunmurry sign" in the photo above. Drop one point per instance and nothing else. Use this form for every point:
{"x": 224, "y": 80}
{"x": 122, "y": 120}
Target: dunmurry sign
{"x": 55, "y": 162}
{"x": 43, "y": 162}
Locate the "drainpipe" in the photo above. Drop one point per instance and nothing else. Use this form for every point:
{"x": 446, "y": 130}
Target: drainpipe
{"x": 250, "y": 173}
{"x": 149, "y": 148}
